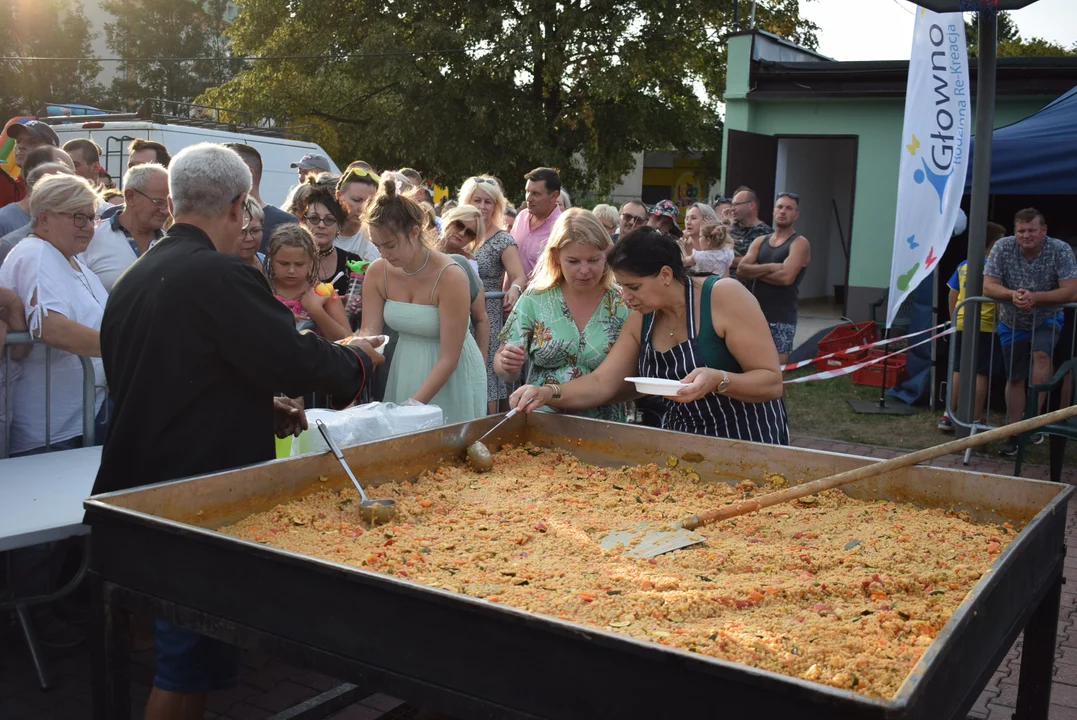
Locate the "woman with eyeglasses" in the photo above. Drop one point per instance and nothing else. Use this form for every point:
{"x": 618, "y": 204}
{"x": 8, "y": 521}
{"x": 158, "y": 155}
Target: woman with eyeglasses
{"x": 608, "y": 216}
{"x": 708, "y": 334}
{"x": 459, "y": 229}
{"x": 571, "y": 315}
{"x": 499, "y": 264}
{"x": 63, "y": 303}
{"x": 321, "y": 214}
{"x": 354, "y": 189}
{"x": 424, "y": 295}
{"x": 712, "y": 254}
{"x": 250, "y": 235}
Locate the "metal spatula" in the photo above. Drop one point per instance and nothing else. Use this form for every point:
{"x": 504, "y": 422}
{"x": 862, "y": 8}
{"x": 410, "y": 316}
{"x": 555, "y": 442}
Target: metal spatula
{"x": 650, "y": 539}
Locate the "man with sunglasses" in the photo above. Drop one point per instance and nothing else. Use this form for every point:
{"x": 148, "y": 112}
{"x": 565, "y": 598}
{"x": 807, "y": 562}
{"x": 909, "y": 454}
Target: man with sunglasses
{"x": 773, "y": 268}
{"x": 746, "y": 224}
{"x": 127, "y": 231}
{"x": 633, "y": 215}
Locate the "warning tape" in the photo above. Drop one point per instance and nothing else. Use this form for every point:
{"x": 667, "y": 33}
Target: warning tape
{"x": 850, "y": 369}
{"x": 846, "y": 351}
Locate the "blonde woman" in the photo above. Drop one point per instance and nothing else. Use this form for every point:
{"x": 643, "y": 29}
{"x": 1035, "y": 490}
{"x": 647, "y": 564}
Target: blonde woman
{"x": 571, "y": 314}
{"x": 459, "y": 228}
{"x": 712, "y": 253}
{"x": 498, "y": 258}
{"x": 423, "y": 295}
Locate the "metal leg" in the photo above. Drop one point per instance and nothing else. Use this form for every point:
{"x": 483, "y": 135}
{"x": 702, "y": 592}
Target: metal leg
{"x": 1038, "y": 657}
{"x": 23, "y": 613}
{"x": 968, "y": 453}
{"x": 1058, "y": 455}
{"x": 110, "y": 670}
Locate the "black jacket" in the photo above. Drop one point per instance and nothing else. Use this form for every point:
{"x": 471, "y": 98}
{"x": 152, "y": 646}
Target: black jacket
{"x": 195, "y": 347}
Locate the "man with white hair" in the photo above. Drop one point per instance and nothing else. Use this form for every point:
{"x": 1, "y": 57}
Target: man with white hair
{"x": 127, "y": 231}
{"x": 195, "y": 349}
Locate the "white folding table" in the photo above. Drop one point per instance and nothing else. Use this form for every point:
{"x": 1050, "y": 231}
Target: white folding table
{"x": 41, "y": 501}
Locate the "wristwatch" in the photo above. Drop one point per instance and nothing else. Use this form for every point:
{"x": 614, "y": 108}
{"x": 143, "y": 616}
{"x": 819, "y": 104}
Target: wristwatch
{"x": 724, "y": 385}
{"x": 556, "y": 391}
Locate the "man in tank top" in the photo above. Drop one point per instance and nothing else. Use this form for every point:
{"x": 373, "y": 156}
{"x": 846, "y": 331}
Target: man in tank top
{"x": 773, "y": 268}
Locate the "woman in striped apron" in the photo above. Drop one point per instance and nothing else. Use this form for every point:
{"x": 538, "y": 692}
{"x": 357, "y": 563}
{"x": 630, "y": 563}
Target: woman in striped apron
{"x": 707, "y": 333}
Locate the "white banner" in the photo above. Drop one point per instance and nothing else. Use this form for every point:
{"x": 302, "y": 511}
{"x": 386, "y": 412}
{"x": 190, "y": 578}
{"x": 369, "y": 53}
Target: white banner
{"x": 934, "y": 151}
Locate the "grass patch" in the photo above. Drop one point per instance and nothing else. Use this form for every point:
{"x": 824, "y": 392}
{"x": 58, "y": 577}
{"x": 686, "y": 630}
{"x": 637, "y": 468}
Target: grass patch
{"x": 821, "y": 409}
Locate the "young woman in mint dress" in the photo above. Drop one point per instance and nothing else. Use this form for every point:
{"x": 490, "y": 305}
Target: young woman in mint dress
{"x": 424, "y": 295}
{"x": 571, "y": 315}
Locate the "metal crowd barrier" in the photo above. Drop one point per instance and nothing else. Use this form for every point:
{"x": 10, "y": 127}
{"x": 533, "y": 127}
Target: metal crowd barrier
{"x": 89, "y": 392}
{"x": 1040, "y": 318}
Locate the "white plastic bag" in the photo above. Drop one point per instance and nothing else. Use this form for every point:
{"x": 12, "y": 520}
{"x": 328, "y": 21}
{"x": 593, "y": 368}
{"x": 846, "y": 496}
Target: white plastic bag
{"x": 412, "y": 418}
{"x": 355, "y": 425}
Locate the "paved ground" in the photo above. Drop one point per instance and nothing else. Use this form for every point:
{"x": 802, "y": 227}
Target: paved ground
{"x": 268, "y": 686}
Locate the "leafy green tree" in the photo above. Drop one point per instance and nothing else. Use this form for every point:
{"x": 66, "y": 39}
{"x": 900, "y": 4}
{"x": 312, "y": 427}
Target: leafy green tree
{"x": 1010, "y": 42}
{"x": 167, "y": 29}
{"x": 456, "y": 88}
{"x": 45, "y": 28}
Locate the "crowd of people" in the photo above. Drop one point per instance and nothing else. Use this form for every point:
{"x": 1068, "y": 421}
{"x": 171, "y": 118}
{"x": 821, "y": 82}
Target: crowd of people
{"x": 475, "y": 296}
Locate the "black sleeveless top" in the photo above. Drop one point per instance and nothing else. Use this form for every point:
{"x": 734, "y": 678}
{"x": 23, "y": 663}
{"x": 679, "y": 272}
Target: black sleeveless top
{"x": 778, "y": 302}
{"x": 714, "y": 415}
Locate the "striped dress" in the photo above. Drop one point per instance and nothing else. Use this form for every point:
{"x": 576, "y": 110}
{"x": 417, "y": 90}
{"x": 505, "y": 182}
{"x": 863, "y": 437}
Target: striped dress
{"x": 714, "y": 415}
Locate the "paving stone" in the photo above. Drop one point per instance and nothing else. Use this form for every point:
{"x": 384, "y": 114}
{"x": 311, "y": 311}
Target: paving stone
{"x": 222, "y": 701}
{"x": 980, "y": 708}
{"x": 243, "y": 711}
{"x": 1064, "y": 695}
{"x": 1065, "y": 674}
{"x": 1007, "y": 695}
{"x": 999, "y": 712}
{"x": 315, "y": 681}
{"x": 285, "y": 695}
{"x": 382, "y": 702}
{"x": 358, "y": 711}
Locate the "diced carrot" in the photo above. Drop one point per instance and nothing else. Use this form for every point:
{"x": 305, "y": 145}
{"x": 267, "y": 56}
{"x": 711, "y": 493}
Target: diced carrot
{"x": 426, "y": 503}
{"x": 494, "y": 598}
{"x": 587, "y": 597}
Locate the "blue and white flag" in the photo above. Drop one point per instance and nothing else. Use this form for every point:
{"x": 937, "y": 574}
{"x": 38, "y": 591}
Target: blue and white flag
{"x": 934, "y": 151}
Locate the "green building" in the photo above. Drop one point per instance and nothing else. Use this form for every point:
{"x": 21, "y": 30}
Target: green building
{"x": 831, "y": 131}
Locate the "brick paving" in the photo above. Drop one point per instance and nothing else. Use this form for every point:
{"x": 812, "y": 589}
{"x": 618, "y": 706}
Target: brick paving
{"x": 268, "y": 686}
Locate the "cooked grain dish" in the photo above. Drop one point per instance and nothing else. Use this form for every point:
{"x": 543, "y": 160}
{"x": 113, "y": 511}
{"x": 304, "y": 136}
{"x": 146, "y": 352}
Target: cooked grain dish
{"x": 839, "y": 591}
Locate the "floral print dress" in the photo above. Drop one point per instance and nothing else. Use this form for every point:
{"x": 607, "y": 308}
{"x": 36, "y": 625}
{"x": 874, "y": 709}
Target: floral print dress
{"x": 557, "y": 351}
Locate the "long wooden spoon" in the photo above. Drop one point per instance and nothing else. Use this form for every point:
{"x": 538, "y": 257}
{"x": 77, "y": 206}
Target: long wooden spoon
{"x": 647, "y": 540}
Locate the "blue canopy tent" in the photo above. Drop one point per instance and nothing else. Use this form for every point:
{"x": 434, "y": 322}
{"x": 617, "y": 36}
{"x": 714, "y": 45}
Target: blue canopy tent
{"x": 1037, "y": 155}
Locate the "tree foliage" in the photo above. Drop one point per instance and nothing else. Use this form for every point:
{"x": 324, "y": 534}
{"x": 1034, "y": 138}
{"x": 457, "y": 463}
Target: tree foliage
{"x": 1010, "y": 42}
{"x": 165, "y": 29}
{"x": 456, "y": 88}
{"x": 45, "y": 28}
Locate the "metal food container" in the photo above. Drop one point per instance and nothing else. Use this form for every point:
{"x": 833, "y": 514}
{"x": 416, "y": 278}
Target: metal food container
{"x": 156, "y": 549}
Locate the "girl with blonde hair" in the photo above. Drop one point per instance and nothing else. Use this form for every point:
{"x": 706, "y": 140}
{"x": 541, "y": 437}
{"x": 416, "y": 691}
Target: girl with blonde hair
{"x": 571, "y": 314}
{"x": 712, "y": 252}
{"x": 499, "y": 265}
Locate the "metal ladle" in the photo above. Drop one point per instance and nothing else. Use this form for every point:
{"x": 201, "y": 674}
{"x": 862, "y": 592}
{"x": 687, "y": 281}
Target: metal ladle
{"x": 377, "y": 511}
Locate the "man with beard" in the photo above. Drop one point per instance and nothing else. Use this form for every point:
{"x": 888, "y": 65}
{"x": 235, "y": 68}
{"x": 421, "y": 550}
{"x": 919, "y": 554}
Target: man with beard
{"x": 773, "y": 268}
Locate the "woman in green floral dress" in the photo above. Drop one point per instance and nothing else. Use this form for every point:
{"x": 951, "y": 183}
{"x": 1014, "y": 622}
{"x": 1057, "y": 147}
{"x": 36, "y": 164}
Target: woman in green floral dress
{"x": 571, "y": 314}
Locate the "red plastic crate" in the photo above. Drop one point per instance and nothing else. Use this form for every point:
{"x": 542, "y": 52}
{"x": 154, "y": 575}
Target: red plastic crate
{"x": 844, "y": 337}
{"x": 873, "y": 374}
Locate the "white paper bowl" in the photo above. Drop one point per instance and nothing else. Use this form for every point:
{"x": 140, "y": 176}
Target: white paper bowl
{"x": 656, "y": 386}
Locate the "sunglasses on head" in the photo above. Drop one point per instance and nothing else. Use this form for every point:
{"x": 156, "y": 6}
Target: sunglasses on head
{"x": 721, "y": 201}
{"x": 790, "y": 195}
{"x": 480, "y": 180}
{"x": 359, "y": 173}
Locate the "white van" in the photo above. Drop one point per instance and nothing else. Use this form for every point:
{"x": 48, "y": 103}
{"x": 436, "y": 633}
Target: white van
{"x": 114, "y": 135}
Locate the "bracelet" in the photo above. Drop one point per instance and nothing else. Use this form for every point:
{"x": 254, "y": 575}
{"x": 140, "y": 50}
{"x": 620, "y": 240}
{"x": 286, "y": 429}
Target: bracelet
{"x": 517, "y": 288}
